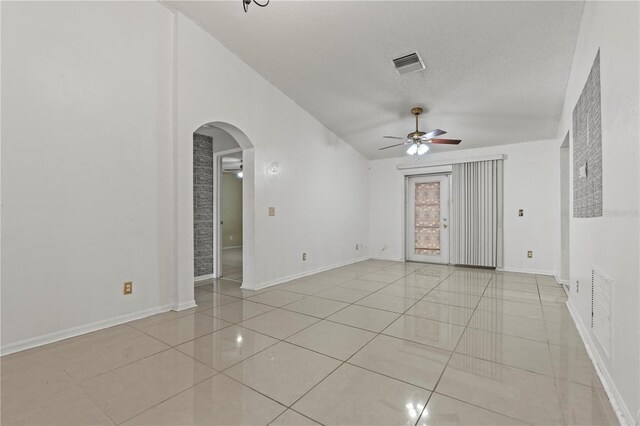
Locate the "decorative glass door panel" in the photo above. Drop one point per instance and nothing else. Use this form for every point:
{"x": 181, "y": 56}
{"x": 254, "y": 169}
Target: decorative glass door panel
{"x": 427, "y": 218}
{"x": 427, "y": 233}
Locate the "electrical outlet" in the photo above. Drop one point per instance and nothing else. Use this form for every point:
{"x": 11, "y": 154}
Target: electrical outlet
{"x": 230, "y": 237}
{"x": 521, "y": 212}
{"x": 304, "y": 257}
{"x": 577, "y": 286}
{"x": 272, "y": 211}
{"x": 127, "y": 288}
{"x": 357, "y": 246}
{"x": 529, "y": 254}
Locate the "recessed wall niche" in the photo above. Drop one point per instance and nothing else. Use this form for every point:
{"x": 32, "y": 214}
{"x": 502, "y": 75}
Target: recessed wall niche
{"x": 587, "y": 148}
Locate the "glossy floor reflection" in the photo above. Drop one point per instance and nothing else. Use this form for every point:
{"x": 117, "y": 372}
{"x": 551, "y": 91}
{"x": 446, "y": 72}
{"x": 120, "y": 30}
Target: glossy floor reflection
{"x": 372, "y": 343}
{"x": 232, "y": 263}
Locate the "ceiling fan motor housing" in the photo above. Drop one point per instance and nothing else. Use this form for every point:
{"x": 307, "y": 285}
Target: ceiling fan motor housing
{"x": 415, "y": 135}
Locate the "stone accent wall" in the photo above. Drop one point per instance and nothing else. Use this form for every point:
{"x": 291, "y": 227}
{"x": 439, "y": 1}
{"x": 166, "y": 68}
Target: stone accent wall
{"x": 587, "y": 147}
{"x": 202, "y": 205}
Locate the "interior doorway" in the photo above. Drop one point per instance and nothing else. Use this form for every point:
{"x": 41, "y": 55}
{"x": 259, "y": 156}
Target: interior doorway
{"x": 565, "y": 213}
{"x": 217, "y": 162}
{"x": 230, "y": 213}
{"x": 428, "y": 219}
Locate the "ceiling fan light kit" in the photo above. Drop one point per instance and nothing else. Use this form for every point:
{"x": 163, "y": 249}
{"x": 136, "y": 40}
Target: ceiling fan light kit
{"x": 417, "y": 149}
{"x": 419, "y": 140}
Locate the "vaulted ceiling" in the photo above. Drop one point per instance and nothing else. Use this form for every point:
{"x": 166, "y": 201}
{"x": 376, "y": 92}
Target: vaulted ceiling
{"x": 495, "y": 71}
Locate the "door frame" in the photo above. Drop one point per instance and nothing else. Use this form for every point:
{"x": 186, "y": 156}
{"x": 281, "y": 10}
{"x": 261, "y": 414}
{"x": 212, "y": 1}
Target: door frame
{"x": 424, "y": 172}
{"x": 409, "y": 196}
{"x": 217, "y": 212}
{"x": 565, "y": 211}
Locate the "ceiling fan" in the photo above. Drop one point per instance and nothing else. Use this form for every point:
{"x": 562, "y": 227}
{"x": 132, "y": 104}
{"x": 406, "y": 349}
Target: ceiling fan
{"x": 419, "y": 140}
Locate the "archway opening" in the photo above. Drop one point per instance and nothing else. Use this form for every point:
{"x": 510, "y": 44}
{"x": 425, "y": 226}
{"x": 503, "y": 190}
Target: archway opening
{"x": 222, "y": 205}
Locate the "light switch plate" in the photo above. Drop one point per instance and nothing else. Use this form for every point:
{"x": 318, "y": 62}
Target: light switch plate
{"x": 272, "y": 211}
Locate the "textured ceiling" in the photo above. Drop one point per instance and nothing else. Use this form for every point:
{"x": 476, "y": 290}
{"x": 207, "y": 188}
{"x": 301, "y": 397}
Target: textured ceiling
{"x": 496, "y": 71}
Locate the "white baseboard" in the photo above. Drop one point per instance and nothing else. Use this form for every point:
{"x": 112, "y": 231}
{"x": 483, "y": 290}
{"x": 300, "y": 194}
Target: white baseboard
{"x": 618, "y": 404}
{"x": 203, "y": 278}
{"x": 304, "y": 274}
{"x": 81, "y": 329}
{"x": 184, "y": 305}
{"x": 560, "y": 280}
{"x": 528, "y": 271}
{"x": 391, "y": 259}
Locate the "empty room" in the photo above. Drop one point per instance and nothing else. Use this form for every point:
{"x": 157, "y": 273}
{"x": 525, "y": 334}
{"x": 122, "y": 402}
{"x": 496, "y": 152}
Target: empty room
{"x": 269, "y": 212}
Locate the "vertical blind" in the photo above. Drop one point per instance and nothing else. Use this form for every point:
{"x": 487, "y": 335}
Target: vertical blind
{"x": 476, "y": 227}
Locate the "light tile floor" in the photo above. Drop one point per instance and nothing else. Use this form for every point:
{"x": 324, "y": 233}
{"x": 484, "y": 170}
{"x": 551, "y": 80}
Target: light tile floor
{"x": 232, "y": 263}
{"x": 373, "y": 343}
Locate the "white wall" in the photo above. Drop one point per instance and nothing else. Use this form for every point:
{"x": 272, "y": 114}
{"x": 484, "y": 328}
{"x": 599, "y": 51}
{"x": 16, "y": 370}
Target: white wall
{"x": 222, "y": 141}
{"x": 611, "y": 242}
{"x": 531, "y": 173}
{"x": 231, "y": 206}
{"x": 99, "y": 103}
{"x": 320, "y": 189}
{"x": 85, "y": 157}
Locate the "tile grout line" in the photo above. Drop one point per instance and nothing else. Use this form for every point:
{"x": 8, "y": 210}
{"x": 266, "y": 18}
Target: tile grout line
{"x": 318, "y": 319}
{"x": 77, "y": 384}
{"x": 316, "y": 322}
{"x": 345, "y": 361}
{"x": 283, "y": 340}
{"x": 553, "y": 368}
{"x": 435, "y": 387}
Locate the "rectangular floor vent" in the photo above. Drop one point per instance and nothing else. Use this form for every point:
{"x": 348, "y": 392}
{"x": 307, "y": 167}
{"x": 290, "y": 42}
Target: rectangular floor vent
{"x": 601, "y": 295}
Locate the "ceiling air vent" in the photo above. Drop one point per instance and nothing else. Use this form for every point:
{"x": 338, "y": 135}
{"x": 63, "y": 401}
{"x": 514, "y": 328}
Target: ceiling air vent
{"x": 408, "y": 63}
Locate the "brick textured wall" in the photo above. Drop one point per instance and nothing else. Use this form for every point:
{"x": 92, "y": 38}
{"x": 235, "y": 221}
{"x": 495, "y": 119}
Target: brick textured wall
{"x": 587, "y": 148}
{"x": 202, "y": 205}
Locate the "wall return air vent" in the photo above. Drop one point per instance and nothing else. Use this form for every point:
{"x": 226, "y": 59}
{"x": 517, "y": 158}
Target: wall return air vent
{"x": 409, "y": 63}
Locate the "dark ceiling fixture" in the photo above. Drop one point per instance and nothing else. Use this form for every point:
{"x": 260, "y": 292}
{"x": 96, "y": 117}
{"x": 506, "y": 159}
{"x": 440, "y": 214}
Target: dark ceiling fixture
{"x": 246, "y": 3}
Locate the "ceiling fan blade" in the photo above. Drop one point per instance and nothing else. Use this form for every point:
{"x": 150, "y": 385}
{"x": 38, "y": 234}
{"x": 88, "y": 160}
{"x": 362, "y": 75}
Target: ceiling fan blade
{"x": 446, "y": 141}
{"x": 393, "y": 146}
{"x": 432, "y": 134}
{"x": 394, "y": 137}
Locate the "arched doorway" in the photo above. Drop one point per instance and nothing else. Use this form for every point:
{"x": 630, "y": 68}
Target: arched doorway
{"x": 217, "y": 205}
{"x": 225, "y": 139}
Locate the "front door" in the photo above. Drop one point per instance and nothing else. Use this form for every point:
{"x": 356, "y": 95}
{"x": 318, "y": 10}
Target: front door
{"x": 428, "y": 219}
